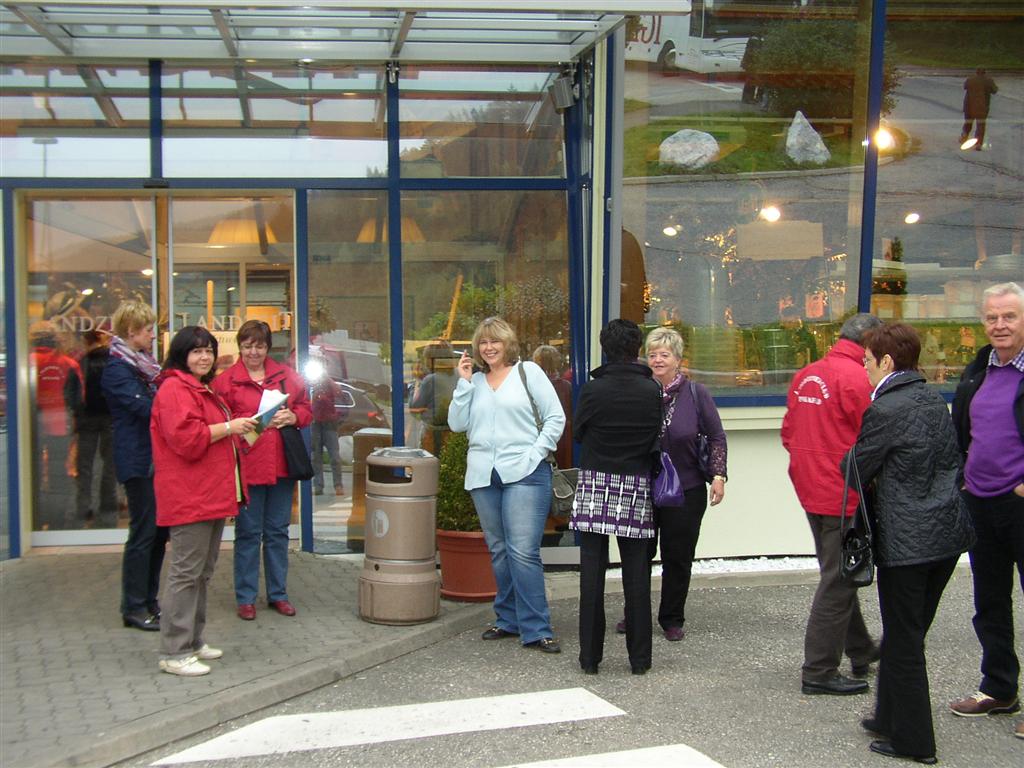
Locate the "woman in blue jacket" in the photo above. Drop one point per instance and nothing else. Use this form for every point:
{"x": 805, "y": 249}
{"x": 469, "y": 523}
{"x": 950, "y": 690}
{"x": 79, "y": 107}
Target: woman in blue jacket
{"x": 129, "y": 390}
{"x": 508, "y": 475}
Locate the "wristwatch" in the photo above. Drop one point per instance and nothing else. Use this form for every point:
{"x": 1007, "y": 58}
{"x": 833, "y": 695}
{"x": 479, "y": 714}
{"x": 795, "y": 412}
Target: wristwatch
{"x": 723, "y": 478}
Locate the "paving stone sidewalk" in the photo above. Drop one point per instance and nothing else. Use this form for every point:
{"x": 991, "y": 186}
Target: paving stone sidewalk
{"x": 76, "y": 688}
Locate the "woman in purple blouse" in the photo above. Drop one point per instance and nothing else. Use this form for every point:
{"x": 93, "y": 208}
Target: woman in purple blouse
{"x": 679, "y": 527}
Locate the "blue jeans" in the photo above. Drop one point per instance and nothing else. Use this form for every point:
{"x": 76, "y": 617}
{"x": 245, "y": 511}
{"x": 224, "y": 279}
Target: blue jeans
{"x": 264, "y": 520}
{"x": 512, "y": 516}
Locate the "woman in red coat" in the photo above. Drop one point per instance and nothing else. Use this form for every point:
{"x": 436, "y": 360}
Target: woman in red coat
{"x": 264, "y": 520}
{"x": 198, "y": 483}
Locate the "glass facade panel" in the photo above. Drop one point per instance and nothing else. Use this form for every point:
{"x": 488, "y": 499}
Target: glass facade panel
{"x": 74, "y": 120}
{"x": 349, "y": 357}
{"x": 285, "y": 122}
{"x": 84, "y": 257}
{"x": 479, "y": 254}
{"x": 231, "y": 261}
{"x": 949, "y": 216}
{"x": 479, "y": 122}
{"x": 5, "y": 527}
{"x": 741, "y": 218}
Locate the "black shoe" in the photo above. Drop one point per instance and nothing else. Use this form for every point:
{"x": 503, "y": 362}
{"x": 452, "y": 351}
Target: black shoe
{"x": 545, "y": 644}
{"x": 639, "y": 669}
{"x": 837, "y": 686}
{"x": 620, "y": 627}
{"x": 589, "y": 669}
{"x": 871, "y": 725}
{"x": 863, "y": 669}
{"x": 497, "y": 633}
{"x": 147, "y": 622}
{"x": 886, "y": 748}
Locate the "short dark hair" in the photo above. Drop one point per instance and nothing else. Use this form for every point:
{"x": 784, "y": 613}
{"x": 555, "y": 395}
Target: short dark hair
{"x": 897, "y": 340}
{"x": 621, "y": 341}
{"x": 855, "y": 327}
{"x": 188, "y": 338}
{"x": 255, "y": 330}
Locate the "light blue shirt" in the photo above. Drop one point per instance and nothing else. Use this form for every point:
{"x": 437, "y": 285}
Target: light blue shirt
{"x": 502, "y": 431}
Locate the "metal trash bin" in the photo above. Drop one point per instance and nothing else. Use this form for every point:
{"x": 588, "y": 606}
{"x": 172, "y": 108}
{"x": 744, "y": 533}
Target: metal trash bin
{"x": 399, "y": 583}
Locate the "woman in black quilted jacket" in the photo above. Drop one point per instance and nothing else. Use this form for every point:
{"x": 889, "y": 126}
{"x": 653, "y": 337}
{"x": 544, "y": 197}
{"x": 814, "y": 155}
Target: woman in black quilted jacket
{"x": 907, "y": 450}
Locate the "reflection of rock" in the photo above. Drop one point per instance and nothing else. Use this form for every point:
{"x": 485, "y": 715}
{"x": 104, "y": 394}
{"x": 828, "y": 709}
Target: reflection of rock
{"x": 688, "y": 148}
{"x": 803, "y": 144}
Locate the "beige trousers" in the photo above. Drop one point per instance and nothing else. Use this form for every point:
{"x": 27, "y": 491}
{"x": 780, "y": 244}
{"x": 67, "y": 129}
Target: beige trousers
{"x": 194, "y": 550}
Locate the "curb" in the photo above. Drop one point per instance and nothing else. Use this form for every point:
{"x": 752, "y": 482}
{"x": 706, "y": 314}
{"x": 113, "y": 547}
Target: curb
{"x": 157, "y": 730}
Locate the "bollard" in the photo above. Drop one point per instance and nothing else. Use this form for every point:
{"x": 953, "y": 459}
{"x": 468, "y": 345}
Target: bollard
{"x": 399, "y": 583}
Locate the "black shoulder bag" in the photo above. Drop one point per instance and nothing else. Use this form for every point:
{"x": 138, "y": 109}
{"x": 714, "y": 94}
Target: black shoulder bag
{"x": 857, "y": 567}
{"x": 296, "y": 454}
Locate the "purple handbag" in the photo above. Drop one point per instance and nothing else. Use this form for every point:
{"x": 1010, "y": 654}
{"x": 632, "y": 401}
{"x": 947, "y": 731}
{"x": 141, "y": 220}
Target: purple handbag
{"x": 667, "y": 490}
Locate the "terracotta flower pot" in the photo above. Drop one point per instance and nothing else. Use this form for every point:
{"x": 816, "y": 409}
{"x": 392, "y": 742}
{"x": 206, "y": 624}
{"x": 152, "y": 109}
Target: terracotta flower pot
{"x": 466, "y": 573}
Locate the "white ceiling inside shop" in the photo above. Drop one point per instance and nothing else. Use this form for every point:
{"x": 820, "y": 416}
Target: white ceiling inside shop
{"x": 542, "y": 32}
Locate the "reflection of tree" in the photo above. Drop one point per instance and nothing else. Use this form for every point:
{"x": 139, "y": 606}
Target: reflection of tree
{"x": 536, "y": 307}
{"x": 811, "y": 64}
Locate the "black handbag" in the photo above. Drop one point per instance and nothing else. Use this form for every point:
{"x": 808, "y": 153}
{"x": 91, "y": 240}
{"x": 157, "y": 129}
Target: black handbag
{"x": 296, "y": 452}
{"x": 563, "y": 480}
{"x": 857, "y": 567}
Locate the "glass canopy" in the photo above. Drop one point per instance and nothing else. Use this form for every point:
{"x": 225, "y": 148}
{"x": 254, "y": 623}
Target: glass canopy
{"x": 445, "y": 31}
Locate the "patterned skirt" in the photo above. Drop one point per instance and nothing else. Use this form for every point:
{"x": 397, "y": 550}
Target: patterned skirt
{"x": 612, "y": 504}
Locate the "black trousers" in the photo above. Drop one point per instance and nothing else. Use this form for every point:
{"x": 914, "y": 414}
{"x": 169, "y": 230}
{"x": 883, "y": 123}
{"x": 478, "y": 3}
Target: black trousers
{"x": 908, "y": 597}
{"x": 999, "y": 525}
{"x": 678, "y": 529}
{"x": 144, "y": 550}
{"x": 835, "y": 623}
{"x": 636, "y": 589}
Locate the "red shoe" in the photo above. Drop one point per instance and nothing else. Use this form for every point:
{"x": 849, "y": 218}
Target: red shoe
{"x": 247, "y": 612}
{"x": 282, "y": 606}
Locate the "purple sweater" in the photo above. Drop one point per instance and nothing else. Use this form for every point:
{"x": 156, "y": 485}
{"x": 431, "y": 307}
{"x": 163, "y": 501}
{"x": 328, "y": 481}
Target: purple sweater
{"x": 680, "y": 439}
{"x": 995, "y": 460}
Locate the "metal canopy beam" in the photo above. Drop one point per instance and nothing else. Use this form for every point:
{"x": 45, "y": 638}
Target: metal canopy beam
{"x": 531, "y": 32}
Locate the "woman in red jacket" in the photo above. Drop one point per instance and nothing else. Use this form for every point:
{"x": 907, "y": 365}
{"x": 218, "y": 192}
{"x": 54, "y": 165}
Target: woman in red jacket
{"x": 264, "y": 520}
{"x": 198, "y": 484}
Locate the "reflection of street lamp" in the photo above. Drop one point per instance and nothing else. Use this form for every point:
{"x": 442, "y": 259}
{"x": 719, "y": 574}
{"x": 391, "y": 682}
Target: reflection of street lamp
{"x": 44, "y": 141}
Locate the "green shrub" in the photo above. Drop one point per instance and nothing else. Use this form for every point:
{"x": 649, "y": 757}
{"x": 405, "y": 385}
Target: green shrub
{"x": 455, "y": 510}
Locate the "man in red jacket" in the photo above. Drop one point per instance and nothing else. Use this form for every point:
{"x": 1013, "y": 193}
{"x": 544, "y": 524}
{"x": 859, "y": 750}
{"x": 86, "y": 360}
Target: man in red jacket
{"x": 824, "y": 407}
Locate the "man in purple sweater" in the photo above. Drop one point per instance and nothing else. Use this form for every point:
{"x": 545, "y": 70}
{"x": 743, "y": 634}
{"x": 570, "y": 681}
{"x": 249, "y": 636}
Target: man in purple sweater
{"x": 989, "y": 415}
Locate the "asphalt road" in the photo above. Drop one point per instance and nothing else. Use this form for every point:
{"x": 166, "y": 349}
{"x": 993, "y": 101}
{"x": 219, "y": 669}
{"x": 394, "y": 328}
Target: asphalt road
{"x": 730, "y": 690}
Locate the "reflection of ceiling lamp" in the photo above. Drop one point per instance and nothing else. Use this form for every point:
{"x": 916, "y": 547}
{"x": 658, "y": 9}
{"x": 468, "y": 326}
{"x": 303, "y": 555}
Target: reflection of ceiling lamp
{"x": 884, "y": 139}
{"x": 770, "y": 213}
{"x": 969, "y": 143}
{"x": 239, "y": 232}
{"x": 371, "y": 233}
{"x": 912, "y": 218}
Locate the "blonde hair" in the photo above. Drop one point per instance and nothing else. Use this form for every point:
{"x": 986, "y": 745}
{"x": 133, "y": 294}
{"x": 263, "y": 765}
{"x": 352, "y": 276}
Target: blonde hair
{"x": 132, "y": 316}
{"x": 496, "y": 329}
{"x": 668, "y": 338}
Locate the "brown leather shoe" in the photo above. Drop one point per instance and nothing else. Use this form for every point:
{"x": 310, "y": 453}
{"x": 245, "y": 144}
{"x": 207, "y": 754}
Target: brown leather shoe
{"x": 247, "y": 612}
{"x": 980, "y": 704}
{"x": 283, "y": 607}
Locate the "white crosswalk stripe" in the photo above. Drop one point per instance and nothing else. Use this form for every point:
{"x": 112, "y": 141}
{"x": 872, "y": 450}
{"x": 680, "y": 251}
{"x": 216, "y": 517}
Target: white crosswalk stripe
{"x": 669, "y": 756}
{"x": 325, "y": 730}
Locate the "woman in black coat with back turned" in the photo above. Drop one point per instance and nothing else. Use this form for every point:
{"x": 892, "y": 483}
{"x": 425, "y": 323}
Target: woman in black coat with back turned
{"x": 617, "y": 422}
{"x": 907, "y": 449}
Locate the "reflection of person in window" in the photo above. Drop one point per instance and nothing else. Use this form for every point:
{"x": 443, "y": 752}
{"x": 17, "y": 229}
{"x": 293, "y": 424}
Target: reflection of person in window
{"x": 752, "y": 89}
{"x": 433, "y": 394}
{"x": 95, "y": 439}
{"x": 58, "y": 393}
{"x": 326, "y": 420}
{"x": 550, "y": 359}
{"x": 978, "y": 90}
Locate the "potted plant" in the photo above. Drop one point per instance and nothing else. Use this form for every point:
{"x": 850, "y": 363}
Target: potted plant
{"x": 466, "y": 572}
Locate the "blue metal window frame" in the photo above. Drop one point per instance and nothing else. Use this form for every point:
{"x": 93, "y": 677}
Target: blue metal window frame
{"x": 11, "y": 382}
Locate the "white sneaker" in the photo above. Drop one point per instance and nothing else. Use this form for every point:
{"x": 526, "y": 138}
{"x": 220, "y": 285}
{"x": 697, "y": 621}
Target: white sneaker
{"x": 189, "y": 666}
{"x": 206, "y": 653}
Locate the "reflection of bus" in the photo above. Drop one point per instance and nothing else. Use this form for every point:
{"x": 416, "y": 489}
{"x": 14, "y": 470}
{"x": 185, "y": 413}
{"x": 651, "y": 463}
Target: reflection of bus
{"x": 711, "y": 37}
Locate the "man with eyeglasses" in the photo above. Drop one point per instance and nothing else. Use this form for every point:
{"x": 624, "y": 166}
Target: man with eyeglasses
{"x": 988, "y": 411}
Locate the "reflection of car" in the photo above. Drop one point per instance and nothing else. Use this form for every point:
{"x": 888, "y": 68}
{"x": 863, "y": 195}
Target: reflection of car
{"x": 357, "y": 409}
